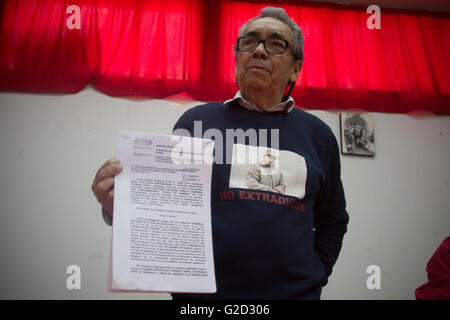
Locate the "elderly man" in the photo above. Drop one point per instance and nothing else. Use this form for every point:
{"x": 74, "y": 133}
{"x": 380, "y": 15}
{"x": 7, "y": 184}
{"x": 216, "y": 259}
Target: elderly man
{"x": 267, "y": 249}
{"x": 266, "y": 175}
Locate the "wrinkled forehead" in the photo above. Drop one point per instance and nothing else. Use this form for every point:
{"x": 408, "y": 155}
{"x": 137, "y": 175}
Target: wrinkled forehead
{"x": 267, "y": 27}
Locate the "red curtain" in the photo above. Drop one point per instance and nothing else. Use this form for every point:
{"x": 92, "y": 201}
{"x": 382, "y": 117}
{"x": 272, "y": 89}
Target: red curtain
{"x": 159, "y": 48}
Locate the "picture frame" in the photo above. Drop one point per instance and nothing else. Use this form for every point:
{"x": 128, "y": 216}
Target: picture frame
{"x": 357, "y": 132}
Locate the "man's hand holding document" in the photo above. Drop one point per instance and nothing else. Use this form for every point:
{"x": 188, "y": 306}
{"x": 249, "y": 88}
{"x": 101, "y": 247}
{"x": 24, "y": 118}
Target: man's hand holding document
{"x": 162, "y": 238}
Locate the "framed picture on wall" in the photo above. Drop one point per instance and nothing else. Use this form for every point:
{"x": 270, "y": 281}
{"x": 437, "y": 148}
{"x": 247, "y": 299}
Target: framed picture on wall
{"x": 357, "y": 134}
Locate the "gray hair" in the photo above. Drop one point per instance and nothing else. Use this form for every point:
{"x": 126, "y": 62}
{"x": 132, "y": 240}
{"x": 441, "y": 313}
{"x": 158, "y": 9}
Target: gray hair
{"x": 279, "y": 14}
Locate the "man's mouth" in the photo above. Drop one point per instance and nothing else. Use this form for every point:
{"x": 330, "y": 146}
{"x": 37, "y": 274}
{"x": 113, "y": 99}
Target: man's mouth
{"x": 258, "y": 68}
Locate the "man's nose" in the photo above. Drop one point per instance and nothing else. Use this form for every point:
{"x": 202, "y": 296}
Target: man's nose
{"x": 260, "y": 51}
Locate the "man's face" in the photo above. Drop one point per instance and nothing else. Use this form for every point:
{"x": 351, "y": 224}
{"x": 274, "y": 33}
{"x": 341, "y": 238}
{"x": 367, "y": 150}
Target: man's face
{"x": 261, "y": 71}
{"x": 267, "y": 160}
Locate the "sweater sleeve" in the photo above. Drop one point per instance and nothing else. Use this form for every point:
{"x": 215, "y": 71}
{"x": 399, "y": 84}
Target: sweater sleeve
{"x": 106, "y": 217}
{"x": 184, "y": 125}
{"x": 330, "y": 215}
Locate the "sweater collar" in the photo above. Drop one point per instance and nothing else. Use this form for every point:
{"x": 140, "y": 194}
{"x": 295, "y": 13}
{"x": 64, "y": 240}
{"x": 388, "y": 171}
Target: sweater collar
{"x": 287, "y": 105}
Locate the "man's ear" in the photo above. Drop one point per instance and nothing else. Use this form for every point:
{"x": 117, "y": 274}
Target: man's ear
{"x": 235, "y": 74}
{"x": 296, "y": 72}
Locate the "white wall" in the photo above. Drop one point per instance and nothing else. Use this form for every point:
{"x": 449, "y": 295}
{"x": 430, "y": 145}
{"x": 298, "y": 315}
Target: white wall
{"x": 52, "y": 145}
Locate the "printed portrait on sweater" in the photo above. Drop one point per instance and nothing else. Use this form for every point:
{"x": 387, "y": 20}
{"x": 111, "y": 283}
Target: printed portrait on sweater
{"x": 268, "y": 169}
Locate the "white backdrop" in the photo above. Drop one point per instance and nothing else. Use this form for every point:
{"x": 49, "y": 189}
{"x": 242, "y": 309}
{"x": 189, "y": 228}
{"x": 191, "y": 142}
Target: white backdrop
{"x": 52, "y": 145}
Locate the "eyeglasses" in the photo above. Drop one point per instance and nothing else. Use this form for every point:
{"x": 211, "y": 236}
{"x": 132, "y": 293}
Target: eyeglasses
{"x": 272, "y": 46}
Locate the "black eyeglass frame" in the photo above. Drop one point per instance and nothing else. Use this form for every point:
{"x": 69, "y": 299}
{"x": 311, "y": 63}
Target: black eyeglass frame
{"x": 288, "y": 45}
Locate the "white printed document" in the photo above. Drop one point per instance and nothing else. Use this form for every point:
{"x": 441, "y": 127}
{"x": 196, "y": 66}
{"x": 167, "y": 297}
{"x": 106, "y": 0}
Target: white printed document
{"x": 162, "y": 238}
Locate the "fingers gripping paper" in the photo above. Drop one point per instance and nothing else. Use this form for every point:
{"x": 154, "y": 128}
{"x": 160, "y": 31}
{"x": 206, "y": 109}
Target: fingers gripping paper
{"x": 162, "y": 238}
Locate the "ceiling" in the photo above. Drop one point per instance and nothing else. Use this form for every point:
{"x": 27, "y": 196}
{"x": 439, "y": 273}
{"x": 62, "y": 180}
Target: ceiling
{"x": 432, "y": 5}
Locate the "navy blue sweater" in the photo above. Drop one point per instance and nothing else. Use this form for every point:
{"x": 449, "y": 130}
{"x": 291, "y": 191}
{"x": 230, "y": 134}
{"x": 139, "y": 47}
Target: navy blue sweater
{"x": 267, "y": 245}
